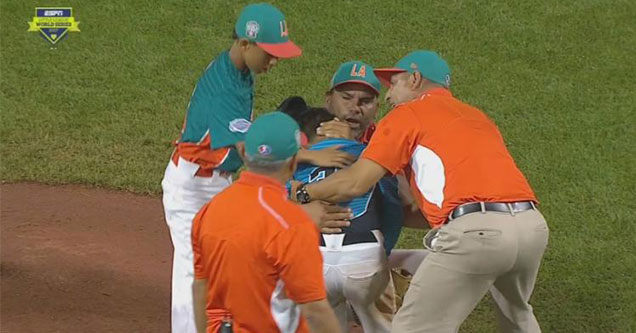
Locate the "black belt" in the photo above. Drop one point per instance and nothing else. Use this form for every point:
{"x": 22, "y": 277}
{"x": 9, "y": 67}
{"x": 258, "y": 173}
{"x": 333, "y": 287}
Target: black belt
{"x": 512, "y": 207}
{"x": 354, "y": 238}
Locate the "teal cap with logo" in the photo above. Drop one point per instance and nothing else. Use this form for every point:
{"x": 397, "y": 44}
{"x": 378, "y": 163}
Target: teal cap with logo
{"x": 273, "y": 137}
{"x": 428, "y": 63}
{"x": 356, "y": 72}
{"x": 266, "y": 26}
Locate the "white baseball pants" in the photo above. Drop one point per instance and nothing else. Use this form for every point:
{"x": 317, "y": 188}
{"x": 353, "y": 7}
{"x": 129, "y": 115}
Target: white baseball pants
{"x": 183, "y": 196}
{"x": 356, "y": 274}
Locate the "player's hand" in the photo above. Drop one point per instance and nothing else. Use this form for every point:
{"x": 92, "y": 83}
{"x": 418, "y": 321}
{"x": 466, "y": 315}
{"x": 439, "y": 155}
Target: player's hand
{"x": 328, "y": 157}
{"x": 335, "y": 129}
{"x": 329, "y": 218}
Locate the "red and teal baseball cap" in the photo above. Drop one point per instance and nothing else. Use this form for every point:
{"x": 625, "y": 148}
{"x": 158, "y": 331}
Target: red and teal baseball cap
{"x": 356, "y": 72}
{"x": 265, "y": 25}
{"x": 272, "y": 137}
{"x": 428, "y": 63}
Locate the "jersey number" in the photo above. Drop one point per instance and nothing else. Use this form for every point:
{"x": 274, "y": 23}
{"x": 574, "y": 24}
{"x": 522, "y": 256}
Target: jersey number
{"x": 320, "y": 173}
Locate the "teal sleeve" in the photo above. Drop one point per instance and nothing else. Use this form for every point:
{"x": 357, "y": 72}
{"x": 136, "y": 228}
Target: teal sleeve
{"x": 229, "y": 120}
{"x": 392, "y": 215}
{"x": 233, "y": 161}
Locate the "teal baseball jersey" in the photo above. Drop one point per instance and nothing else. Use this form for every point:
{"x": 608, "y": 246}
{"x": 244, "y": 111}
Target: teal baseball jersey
{"x": 218, "y": 115}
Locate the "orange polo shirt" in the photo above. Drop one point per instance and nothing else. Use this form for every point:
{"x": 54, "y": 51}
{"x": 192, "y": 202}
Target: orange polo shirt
{"x": 260, "y": 255}
{"x": 451, "y": 152}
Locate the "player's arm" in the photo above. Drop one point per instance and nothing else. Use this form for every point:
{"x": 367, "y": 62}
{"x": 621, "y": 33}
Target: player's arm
{"x": 391, "y": 214}
{"x": 348, "y": 183}
{"x": 389, "y": 151}
{"x": 320, "y": 317}
{"x": 199, "y": 293}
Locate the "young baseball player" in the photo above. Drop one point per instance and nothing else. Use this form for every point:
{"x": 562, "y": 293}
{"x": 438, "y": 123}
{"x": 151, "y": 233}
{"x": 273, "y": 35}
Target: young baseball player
{"x": 487, "y": 232}
{"x": 352, "y": 99}
{"x": 355, "y": 264}
{"x": 217, "y": 117}
{"x": 255, "y": 252}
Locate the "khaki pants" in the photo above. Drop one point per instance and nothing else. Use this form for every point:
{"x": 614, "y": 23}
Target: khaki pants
{"x": 474, "y": 254}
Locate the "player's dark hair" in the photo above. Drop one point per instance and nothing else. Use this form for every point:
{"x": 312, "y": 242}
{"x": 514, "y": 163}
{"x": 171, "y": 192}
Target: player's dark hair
{"x": 293, "y": 106}
{"x": 311, "y": 119}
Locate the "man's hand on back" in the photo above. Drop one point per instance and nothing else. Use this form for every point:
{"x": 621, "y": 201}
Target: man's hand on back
{"x": 328, "y": 217}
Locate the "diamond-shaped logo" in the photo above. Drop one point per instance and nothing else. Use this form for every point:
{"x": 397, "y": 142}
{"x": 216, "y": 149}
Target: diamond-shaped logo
{"x": 53, "y": 23}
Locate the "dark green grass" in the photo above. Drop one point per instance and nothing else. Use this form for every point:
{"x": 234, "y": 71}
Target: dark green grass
{"x": 557, "y": 77}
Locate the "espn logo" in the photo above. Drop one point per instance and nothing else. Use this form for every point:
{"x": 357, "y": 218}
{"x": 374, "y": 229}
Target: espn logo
{"x": 49, "y": 13}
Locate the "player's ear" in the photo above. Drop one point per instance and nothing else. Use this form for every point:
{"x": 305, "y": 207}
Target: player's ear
{"x": 244, "y": 44}
{"x": 415, "y": 80}
{"x": 328, "y": 96}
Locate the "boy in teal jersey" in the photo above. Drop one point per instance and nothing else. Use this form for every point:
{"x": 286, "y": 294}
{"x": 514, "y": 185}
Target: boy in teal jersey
{"x": 217, "y": 118}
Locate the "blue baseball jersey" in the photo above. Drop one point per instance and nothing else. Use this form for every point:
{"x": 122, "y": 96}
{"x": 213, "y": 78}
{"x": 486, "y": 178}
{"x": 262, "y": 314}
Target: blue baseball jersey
{"x": 379, "y": 208}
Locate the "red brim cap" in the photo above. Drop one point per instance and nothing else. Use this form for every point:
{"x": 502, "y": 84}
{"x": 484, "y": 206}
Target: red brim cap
{"x": 281, "y": 50}
{"x": 384, "y": 74}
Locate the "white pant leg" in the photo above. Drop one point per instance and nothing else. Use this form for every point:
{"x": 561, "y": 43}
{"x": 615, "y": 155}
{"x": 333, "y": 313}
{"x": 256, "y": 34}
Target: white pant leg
{"x": 364, "y": 275}
{"x": 183, "y": 196}
{"x": 333, "y": 282}
{"x": 408, "y": 259}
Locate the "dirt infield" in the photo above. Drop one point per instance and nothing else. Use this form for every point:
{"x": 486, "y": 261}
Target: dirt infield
{"x": 74, "y": 259}
{"x": 82, "y": 260}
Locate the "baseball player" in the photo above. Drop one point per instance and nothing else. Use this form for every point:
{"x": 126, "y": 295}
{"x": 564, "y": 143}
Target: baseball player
{"x": 355, "y": 264}
{"x": 353, "y": 99}
{"x": 256, "y": 253}
{"x": 218, "y": 116}
{"x": 487, "y": 232}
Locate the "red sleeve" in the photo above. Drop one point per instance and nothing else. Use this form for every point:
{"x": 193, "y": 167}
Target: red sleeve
{"x": 295, "y": 254}
{"x": 199, "y": 268}
{"x": 393, "y": 142}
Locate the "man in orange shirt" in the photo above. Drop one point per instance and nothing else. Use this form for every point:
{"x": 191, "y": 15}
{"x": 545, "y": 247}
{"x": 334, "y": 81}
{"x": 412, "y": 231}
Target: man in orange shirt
{"x": 256, "y": 257}
{"x": 487, "y": 233}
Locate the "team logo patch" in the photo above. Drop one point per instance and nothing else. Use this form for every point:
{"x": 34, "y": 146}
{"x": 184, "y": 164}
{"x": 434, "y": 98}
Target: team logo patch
{"x": 358, "y": 71}
{"x": 240, "y": 125}
{"x": 264, "y": 150}
{"x": 53, "y": 23}
{"x": 251, "y": 29}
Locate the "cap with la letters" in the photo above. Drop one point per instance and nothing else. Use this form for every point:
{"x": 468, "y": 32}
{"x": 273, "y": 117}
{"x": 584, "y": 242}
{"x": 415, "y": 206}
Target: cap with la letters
{"x": 266, "y": 26}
